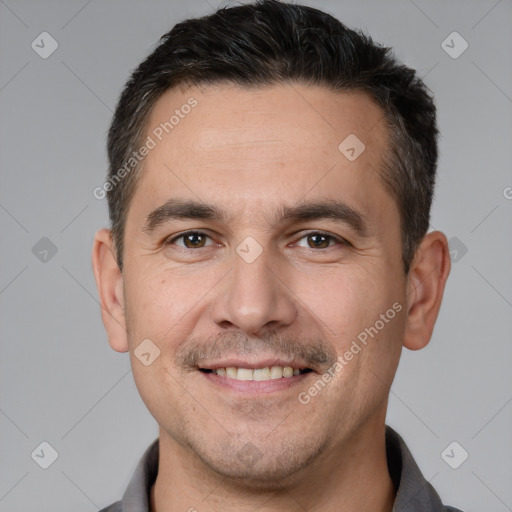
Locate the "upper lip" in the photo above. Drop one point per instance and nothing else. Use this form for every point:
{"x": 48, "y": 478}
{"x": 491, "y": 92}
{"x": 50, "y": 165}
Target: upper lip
{"x": 262, "y": 363}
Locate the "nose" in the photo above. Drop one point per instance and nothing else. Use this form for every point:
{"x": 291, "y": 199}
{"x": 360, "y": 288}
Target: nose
{"x": 254, "y": 298}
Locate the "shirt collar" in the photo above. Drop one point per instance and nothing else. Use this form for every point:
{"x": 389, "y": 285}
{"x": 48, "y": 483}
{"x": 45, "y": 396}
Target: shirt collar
{"x": 136, "y": 496}
{"x": 414, "y": 492}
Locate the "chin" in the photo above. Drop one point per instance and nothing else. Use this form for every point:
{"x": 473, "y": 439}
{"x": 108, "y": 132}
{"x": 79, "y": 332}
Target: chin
{"x": 269, "y": 468}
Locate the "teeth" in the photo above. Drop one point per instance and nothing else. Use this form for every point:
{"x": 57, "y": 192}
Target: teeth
{"x": 275, "y": 372}
{"x": 245, "y": 374}
{"x": 260, "y": 374}
{"x": 230, "y": 372}
{"x": 287, "y": 371}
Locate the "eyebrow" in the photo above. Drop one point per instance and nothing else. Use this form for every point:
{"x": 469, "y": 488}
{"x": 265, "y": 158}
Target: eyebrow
{"x": 324, "y": 209}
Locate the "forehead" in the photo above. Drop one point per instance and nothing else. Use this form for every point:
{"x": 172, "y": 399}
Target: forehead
{"x": 246, "y": 146}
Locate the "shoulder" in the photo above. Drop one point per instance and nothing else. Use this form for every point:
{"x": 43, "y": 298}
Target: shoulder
{"x": 115, "y": 507}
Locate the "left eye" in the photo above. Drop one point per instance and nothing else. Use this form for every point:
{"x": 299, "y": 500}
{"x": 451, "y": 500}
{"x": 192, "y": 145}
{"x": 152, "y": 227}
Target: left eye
{"x": 318, "y": 240}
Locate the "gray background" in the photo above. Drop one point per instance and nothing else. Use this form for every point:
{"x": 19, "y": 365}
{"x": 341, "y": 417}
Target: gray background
{"x": 60, "y": 381}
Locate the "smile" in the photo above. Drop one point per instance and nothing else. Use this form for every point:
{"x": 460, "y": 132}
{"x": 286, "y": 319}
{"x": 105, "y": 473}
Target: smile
{"x": 259, "y": 374}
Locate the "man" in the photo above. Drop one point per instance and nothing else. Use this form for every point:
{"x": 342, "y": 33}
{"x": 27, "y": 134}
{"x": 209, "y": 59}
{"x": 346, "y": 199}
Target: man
{"x": 271, "y": 176}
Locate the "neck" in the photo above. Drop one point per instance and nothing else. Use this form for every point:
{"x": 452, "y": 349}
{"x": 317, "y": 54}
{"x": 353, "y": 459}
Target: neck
{"x": 350, "y": 477}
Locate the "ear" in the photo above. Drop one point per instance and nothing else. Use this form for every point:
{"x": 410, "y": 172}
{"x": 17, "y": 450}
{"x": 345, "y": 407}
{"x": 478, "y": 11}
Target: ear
{"x": 109, "y": 281}
{"x": 425, "y": 286}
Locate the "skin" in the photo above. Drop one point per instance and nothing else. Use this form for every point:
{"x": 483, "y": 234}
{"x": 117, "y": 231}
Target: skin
{"x": 251, "y": 151}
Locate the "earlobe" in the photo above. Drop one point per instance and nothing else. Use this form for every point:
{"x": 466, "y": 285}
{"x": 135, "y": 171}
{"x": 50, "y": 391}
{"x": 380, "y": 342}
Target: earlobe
{"x": 109, "y": 281}
{"x": 426, "y": 281}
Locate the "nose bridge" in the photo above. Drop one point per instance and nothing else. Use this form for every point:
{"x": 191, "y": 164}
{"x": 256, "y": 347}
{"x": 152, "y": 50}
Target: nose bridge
{"x": 253, "y": 297}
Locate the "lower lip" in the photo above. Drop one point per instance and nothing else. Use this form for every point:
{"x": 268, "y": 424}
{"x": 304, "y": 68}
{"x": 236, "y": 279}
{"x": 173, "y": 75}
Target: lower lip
{"x": 256, "y": 386}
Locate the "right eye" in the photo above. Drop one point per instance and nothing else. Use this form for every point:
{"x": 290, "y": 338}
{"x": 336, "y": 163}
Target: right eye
{"x": 191, "y": 240}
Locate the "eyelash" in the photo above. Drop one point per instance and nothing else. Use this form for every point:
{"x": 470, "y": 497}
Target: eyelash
{"x": 171, "y": 241}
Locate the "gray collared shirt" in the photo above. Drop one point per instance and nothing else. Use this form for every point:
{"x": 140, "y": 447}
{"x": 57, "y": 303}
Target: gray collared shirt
{"x": 414, "y": 493}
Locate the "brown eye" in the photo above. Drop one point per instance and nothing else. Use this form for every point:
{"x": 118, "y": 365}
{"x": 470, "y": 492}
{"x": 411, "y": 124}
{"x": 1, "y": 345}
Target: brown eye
{"x": 322, "y": 241}
{"x": 194, "y": 240}
{"x": 191, "y": 240}
{"x": 319, "y": 240}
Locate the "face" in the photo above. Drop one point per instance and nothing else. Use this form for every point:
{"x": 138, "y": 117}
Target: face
{"x": 255, "y": 246}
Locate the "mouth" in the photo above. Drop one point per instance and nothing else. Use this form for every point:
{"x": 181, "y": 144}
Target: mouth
{"x": 264, "y": 373}
{"x": 255, "y": 377}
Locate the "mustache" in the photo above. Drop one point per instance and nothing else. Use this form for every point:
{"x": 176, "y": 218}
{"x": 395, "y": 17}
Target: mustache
{"x": 317, "y": 354}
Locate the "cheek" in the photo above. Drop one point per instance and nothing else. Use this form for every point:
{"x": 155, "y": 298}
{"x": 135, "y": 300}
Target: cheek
{"x": 156, "y": 306}
{"x": 362, "y": 314}
{"x": 162, "y": 392}
{"x": 348, "y": 301}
